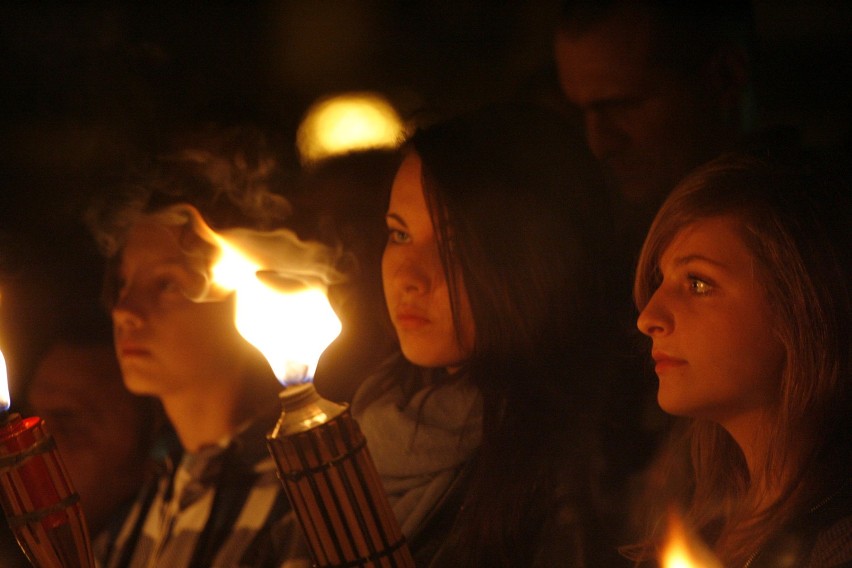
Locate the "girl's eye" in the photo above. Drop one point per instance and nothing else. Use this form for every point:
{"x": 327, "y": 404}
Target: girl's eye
{"x": 699, "y": 287}
{"x": 398, "y": 237}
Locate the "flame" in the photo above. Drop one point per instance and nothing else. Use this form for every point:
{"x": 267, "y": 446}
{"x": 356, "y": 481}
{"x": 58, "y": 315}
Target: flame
{"x": 280, "y": 285}
{"x": 682, "y": 550}
{"x": 5, "y": 399}
{"x": 290, "y": 325}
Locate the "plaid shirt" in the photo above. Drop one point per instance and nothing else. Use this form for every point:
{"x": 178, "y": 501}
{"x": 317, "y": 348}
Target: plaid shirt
{"x": 222, "y": 506}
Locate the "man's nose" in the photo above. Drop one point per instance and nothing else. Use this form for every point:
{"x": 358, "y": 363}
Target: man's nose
{"x": 603, "y": 135}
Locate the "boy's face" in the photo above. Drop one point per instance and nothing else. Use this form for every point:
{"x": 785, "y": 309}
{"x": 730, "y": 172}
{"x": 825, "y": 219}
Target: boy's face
{"x": 165, "y": 342}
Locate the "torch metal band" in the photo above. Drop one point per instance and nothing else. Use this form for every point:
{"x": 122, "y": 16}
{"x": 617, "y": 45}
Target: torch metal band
{"x": 36, "y": 516}
{"x": 387, "y": 553}
{"x": 334, "y": 462}
{"x": 41, "y": 446}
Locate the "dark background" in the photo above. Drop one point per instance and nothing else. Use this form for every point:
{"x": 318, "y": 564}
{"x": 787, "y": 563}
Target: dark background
{"x": 85, "y": 85}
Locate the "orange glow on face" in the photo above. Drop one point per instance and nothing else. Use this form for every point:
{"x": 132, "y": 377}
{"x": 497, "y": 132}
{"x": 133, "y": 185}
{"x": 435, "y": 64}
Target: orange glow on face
{"x": 682, "y": 550}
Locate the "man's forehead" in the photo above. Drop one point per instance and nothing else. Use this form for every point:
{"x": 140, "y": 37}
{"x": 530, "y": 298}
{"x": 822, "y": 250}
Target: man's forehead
{"x": 598, "y": 65}
{"x": 610, "y": 59}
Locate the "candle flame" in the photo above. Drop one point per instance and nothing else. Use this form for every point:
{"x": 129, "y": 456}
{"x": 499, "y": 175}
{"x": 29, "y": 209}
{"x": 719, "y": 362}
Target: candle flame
{"x": 280, "y": 286}
{"x": 5, "y": 399}
{"x": 682, "y": 550}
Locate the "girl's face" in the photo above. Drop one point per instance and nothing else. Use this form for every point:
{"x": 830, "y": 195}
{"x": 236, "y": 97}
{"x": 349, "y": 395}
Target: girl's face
{"x": 716, "y": 354}
{"x": 415, "y": 286}
{"x": 165, "y": 342}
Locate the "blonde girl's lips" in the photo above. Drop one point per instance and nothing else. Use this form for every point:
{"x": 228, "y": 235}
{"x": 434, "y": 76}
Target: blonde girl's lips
{"x": 665, "y": 362}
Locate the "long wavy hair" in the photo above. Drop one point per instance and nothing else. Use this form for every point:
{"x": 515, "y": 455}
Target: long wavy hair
{"x": 795, "y": 220}
{"x": 520, "y": 216}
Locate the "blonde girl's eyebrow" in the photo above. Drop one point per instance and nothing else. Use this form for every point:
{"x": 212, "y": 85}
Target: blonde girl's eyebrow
{"x": 683, "y": 260}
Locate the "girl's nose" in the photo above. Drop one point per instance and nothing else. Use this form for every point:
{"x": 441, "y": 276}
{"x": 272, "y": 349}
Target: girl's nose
{"x": 655, "y": 319}
{"x": 412, "y": 269}
{"x": 412, "y": 276}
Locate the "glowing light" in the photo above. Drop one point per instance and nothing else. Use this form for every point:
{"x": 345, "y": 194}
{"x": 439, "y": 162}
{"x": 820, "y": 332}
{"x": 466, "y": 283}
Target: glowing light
{"x": 289, "y": 320}
{"x": 684, "y": 551}
{"x": 5, "y": 399}
{"x": 345, "y": 123}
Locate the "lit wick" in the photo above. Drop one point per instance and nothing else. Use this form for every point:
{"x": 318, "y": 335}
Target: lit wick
{"x": 41, "y": 506}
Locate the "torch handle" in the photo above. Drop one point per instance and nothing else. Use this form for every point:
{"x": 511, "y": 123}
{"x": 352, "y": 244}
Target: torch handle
{"x": 36, "y": 494}
{"x": 338, "y": 496}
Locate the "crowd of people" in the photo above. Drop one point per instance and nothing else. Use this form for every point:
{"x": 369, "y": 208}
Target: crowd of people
{"x": 551, "y": 343}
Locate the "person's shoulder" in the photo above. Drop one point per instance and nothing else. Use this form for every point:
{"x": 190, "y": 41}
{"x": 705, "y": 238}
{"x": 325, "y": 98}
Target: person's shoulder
{"x": 378, "y": 384}
{"x": 833, "y": 519}
{"x": 819, "y": 538}
{"x": 833, "y": 546}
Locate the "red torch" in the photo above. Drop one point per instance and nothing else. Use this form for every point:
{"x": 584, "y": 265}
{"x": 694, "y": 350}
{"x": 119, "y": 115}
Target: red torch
{"x": 40, "y": 504}
{"x": 322, "y": 458}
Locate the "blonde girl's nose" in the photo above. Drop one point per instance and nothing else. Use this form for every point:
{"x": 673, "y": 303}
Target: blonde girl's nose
{"x": 655, "y": 319}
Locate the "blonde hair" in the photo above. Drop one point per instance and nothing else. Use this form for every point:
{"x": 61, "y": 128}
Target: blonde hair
{"x": 795, "y": 221}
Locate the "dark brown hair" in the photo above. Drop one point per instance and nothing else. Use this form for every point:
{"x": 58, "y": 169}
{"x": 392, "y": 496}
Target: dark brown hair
{"x": 520, "y": 216}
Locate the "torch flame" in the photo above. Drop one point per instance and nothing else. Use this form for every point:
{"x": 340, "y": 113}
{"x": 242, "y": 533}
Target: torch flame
{"x": 291, "y": 327}
{"x": 682, "y": 550}
{"x": 280, "y": 285}
{"x": 5, "y": 399}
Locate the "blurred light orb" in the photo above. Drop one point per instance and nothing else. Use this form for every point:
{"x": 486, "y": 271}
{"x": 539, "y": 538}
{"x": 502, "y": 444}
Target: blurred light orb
{"x": 345, "y": 123}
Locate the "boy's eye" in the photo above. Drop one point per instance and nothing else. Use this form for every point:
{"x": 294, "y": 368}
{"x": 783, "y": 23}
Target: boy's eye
{"x": 168, "y": 284}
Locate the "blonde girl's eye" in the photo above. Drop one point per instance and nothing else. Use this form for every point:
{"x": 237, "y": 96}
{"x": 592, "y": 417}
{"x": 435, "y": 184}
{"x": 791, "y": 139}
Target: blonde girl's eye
{"x": 699, "y": 286}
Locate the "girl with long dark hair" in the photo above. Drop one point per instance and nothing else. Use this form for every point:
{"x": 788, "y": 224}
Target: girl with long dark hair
{"x": 483, "y": 430}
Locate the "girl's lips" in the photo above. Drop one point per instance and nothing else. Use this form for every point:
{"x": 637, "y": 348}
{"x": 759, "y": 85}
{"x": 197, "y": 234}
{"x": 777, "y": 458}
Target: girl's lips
{"x": 665, "y": 362}
{"x": 664, "y": 365}
{"x": 410, "y": 320}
